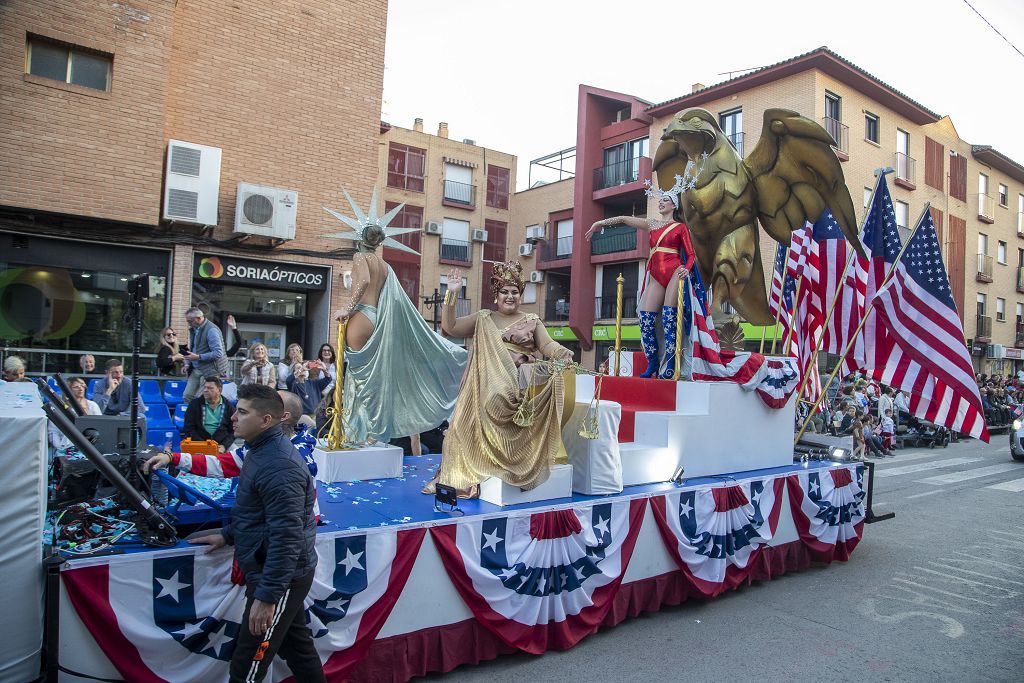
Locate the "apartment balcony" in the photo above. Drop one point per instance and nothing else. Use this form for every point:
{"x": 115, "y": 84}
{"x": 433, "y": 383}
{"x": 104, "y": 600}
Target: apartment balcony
{"x": 459, "y": 195}
{"x": 736, "y": 140}
{"x": 455, "y": 251}
{"x": 984, "y": 273}
{"x": 614, "y": 239}
{"x": 604, "y": 306}
{"x": 1020, "y": 279}
{"x": 1018, "y": 339}
{"x": 841, "y": 134}
{"x": 556, "y": 250}
{"x": 556, "y": 310}
{"x": 621, "y": 178}
{"x": 906, "y": 168}
{"x": 463, "y": 307}
{"x": 1020, "y": 224}
{"x": 983, "y": 329}
{"x": 986, "y": 208}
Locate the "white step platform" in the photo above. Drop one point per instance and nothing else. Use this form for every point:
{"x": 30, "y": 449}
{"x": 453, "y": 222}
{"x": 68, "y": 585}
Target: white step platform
{"x": 558, "y": 485}
{"x": 716, "y": 428}
{"x": 379, "y": 461}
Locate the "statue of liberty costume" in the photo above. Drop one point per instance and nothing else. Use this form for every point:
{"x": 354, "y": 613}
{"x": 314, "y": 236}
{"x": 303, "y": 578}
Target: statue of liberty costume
{"x": 405, "y": 379}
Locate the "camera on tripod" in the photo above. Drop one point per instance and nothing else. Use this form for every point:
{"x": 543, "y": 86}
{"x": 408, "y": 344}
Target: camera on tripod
{"x": 141, "y": 286}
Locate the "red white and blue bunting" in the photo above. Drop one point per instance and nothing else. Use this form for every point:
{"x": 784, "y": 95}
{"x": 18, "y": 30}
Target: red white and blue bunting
{"x": 546, "y": 580}
{"x": 178, "y": 613}
{"x": 716, "y": 534}
{"x": 828, "y": 510}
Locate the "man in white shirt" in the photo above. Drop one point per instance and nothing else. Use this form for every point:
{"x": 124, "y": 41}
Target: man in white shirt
{"x": 885, "y": 402}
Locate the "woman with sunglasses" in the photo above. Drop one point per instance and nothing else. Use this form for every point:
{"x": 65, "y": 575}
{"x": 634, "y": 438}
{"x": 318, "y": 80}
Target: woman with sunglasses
{"x": 170, "y": 356}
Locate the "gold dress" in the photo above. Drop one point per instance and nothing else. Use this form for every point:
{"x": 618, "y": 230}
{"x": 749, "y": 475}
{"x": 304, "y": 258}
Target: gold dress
{"x": 507, "y": 420}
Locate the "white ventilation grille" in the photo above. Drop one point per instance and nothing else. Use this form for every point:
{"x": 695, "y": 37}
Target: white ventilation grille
{"x": 185, "y": 160}
{"x": 182, "y": 204}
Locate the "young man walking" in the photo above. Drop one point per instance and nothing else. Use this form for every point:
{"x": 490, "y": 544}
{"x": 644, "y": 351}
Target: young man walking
{"x": 273, "y": 530}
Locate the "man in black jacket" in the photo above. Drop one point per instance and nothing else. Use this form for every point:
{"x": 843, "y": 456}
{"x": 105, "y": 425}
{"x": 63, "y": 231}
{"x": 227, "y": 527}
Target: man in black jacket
{"x": 274, "y": 533}
{"x": 209, "y": 416}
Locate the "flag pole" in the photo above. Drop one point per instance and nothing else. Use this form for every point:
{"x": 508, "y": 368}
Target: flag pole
{"x": 764, "y": 328}
{"x": 869, "y": 309}
{"x": 792, "y": 316}
{"x": 828, "y": 319}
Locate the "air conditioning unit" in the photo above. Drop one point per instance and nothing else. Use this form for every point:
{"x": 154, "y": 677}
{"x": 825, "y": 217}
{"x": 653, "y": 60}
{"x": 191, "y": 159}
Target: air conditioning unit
{"x": 537, "y": 276}
{"x": 266, "y": 211}
{"x": 995, "y": 351}
{"x": 535, "y": 232}
{"x": 433, "y": 228}
{"x": 192, "y": 183}
{"x": 526, "y": 250}
{"x": 479, "y": 235}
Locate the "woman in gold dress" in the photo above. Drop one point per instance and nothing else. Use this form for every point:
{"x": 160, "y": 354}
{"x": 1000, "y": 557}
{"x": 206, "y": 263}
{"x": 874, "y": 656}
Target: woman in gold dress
{"x": 508, "y": 414}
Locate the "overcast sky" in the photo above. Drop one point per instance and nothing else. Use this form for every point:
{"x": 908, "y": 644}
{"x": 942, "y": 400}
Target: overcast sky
{"x": 505, "y": 74}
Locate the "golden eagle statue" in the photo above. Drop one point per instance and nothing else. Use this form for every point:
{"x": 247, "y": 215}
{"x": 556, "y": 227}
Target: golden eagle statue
{"x": 789, "y": 178}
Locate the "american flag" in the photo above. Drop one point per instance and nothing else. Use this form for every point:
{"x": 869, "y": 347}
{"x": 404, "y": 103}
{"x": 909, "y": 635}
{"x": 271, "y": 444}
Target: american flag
{"x": 926, "y": 355}
{"x": 835, "y": 276}
{"x": 774, "y": 380}
{"x": 805, "y": 317}
{"x": 781, "y": 298}
{"x": 881, "y": 240}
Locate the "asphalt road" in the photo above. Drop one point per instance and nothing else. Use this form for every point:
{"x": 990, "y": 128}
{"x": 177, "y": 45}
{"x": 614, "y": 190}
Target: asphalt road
{"x": 936, "y": 594}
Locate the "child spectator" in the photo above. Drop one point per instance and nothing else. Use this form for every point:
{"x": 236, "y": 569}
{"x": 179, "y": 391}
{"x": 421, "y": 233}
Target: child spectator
{"x": 858, "y": 439}
{"x": 888, "y": 427}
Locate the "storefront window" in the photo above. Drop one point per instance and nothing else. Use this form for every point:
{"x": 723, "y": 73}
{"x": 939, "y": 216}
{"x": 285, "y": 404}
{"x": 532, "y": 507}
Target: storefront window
{"x": 216, "y": 299}
{"x": 49, "y": 308}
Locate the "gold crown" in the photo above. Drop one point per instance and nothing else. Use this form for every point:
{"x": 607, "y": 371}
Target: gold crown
{"x": 507, "y": 273}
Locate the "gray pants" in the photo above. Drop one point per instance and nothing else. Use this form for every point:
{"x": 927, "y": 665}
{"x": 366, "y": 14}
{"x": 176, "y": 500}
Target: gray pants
{"x": 194, "y": 386}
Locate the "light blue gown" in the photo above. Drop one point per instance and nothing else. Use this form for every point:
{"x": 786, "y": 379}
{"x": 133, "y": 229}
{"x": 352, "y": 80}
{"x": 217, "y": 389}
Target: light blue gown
{"x": 406, "y": 379}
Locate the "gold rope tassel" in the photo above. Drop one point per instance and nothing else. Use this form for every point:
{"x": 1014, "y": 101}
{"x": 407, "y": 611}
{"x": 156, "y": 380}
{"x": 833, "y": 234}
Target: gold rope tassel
{"x": 589, "y": 427}
{"x": 525, "y": 413}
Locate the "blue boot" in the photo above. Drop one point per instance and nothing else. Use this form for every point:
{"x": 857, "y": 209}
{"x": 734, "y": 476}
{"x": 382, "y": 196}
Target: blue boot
{"x": 649, "y": 340}
{"x": 668, "y": 319}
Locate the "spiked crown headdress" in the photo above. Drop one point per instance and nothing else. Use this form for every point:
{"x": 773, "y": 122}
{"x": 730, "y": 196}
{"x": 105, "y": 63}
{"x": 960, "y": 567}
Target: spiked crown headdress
{"x": 362, "y": 221}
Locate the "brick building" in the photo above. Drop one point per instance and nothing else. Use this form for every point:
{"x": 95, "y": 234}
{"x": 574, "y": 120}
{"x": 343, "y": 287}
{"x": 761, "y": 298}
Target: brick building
{"x": 285, "y": 96}
{"x": 975, "y": 192}
{"x": 458, "y": 194}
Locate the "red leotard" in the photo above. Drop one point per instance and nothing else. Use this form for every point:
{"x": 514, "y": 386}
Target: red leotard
{"x": 667, "y": 244}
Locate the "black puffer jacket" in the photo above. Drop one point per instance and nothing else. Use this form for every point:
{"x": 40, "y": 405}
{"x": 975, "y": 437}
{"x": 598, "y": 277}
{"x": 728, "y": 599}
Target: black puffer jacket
{"x": 272, "y": 524}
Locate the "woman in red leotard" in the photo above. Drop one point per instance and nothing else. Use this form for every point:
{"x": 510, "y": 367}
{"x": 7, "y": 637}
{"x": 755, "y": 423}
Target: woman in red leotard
{"x": 672, "y": 258}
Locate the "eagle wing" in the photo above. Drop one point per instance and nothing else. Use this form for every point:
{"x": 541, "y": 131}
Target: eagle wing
{"x": 797, "y": 175}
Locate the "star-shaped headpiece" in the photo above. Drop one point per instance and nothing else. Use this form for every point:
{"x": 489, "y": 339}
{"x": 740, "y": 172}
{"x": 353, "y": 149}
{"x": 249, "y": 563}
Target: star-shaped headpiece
{"x": 363, "y": 220}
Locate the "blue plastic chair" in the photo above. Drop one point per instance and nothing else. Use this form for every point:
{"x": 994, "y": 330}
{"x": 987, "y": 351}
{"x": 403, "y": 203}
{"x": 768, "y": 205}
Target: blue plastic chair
{"x": 159, "y": 438}
{"x": 150, "y": 392}
{"x": 91, "y": 388}
{"x": 174, "y": 391}
{"x": 158, "y": 418}
{"x": 179, "y": 415}
{"x": 53, "y": 385}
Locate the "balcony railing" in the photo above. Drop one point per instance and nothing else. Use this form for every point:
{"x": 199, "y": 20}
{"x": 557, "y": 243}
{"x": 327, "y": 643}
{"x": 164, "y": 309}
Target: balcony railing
{"x": 604, "y": 306}
{"x": 613, "y": 239}
{"x": 1018, "y": 339}
{"x": 455, "y": 250}
{"x": 839, "y": 132}
{"x": 984, "y": 273}
{"x": 556, "y": 309}
{"x": 619, "y": 173}
{"x": 736, "y": 139}
{"x": 986, "y": 208}
{"x": 905, "y": 168}
{"x": 983, "y": 328}
{"x": 1020, "y": 278}
{"x": 1020, "y": 224}
{"x": 461, "y": 194}
{"x": 557, "y": 249}
{"x": 463, "y": 307}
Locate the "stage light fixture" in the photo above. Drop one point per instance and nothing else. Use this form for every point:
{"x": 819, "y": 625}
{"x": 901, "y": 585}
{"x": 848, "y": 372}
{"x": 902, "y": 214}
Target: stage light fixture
{"x": 838, "y": 454}
{"x": 445, "y": 495}
{"x": 677, "y": 476}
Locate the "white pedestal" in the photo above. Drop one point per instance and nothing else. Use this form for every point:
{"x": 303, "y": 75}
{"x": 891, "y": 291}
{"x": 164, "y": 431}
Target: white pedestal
{"x": 558, "y": 485}
{"x": 596, "y": 463}
{"x": 371, "y": 462}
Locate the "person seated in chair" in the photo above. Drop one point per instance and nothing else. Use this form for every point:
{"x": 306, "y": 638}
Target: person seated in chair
{"x": 209, "y": 416}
